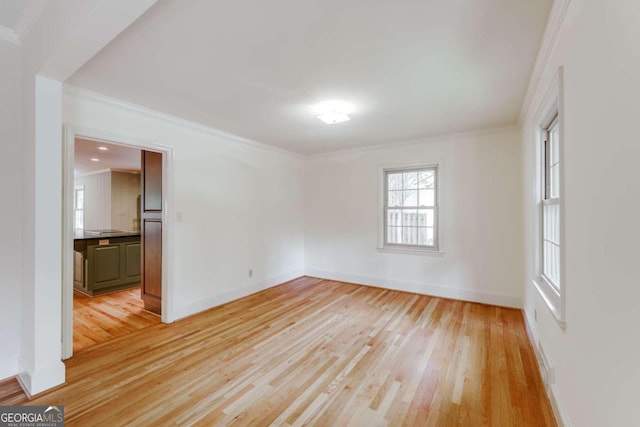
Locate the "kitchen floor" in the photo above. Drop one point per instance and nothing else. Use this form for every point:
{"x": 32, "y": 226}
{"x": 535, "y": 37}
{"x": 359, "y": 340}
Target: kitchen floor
{"x": 105, "y": 317}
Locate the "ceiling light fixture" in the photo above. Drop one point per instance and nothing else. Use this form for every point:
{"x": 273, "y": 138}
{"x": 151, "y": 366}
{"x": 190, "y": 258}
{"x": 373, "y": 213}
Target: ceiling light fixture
{"x": 103, "y": 149}
{"x": 332, "y": 112}
{"x": 95, "y": 160}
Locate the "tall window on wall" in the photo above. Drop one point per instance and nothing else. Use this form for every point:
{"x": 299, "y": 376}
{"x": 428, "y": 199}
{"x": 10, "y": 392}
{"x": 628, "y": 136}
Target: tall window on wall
{"x": 78, "y": 207}
{"x": 551, "y": 205}
{"x": 411, "y": 208}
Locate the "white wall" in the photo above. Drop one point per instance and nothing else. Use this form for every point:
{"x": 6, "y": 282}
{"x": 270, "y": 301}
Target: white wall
{"x": 241, "y": 204}
{"x": 125, "y": 193}
{"x": 97, "y": 200}
{"x": 480, "y": 218}
{"x": 596, "y": 358}
{"x": 110, "y": 200}
{"x": 65, "y": 35}
{"x": 10, "y": 213}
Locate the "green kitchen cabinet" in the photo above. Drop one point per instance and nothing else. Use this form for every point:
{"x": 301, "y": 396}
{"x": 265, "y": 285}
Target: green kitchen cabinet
{"x": 106, "y": 265}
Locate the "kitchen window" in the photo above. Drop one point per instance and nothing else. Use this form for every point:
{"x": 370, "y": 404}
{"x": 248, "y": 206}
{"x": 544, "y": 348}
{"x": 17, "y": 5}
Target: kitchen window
{"x": 78, "y": 207}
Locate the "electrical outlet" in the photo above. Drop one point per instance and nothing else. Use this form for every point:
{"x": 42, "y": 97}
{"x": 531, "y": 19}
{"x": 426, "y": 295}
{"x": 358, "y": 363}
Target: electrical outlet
{"x": 250, "y": 273}
{"x": 551, "y": 375}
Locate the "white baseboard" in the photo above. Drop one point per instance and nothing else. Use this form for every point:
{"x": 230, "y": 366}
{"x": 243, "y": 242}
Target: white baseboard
{"x": 234, "y": 294}
{"x": 421, "y": 288}
{"x": 36, "y": 381}
{"x": 552, "y": 390}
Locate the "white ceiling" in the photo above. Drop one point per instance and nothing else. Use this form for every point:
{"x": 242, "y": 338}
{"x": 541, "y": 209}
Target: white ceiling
{"x": 117, "y": 157}
{"x": 255, "y": 68}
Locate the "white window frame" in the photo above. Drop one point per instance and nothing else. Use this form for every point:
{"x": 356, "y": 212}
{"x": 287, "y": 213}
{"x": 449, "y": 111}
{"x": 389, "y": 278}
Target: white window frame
{"x": 550, "y": 114}
{"x": 548, "y": 199}
{"x": 383, "y": 245}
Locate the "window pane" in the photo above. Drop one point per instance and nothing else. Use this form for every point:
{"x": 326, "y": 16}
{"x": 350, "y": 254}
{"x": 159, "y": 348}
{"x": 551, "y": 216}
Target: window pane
{"x": 426, "y": 179}
{"x": 406, "y": 223}
{"x": 394, "y": 218}
{"x": 551, "y": 223}
{"x": 551, "y": 211}
{"x": 551, "y": 242}
{"x": 410, "y": 180}
{"x": 394, "y": 181}
{"x": 552, "y": 162}
{"x": 409, "y": 235}
{"x": 394, "y": 198}
{"x": 79, "y": 220}
{"x": 425, "y": 236}
{"x": 79, "y": 199}
{"x": 426, "y": 197}
{"x": 409, "y": 217}
{"x": 394, "y": 235}
{"x": 555, "y": 181}
{"x": 410, "y": 198}
{"x": 422, "y": 218}
{"x": 554, "y": 134}
{"x": 552, "y": 262}
{"x": 425, "y": 218}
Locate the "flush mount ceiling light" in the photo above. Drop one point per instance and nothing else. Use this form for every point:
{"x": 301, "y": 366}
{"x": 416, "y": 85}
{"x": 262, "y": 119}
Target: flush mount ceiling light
{"x": 332, "y": 112}
{"x": 95, "y": 160}
{"x": 103, "y": 149}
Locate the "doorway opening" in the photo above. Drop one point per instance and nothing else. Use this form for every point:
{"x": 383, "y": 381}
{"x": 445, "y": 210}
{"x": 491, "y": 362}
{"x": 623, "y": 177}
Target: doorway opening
{"x": 113, "y": 270}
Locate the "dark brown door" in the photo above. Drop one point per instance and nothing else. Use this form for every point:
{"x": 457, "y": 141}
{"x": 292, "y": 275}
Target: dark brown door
{"x": 151, "y": 217}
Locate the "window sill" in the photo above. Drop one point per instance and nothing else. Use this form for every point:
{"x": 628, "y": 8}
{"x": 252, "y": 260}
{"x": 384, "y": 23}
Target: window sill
{"x": 552, "y": 299}
{"x": 409, "y": 251}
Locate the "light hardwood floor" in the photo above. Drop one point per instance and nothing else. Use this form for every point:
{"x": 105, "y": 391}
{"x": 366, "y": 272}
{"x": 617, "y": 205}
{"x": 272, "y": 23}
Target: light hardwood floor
{"x": 11, "y": 393}
{"x": 315, "y": 352}
{"x": 105, "y": 317}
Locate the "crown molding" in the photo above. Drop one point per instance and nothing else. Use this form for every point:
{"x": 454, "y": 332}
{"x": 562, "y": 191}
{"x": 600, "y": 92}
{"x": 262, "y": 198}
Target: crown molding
{"x": 30, "y": 16}
{"x": 72, "y": 90}
{"x": 9, "y": 35}
{"x": 103, "y": 99}
{"x": 549, "y": 40}
{"x": 421, "y": 140}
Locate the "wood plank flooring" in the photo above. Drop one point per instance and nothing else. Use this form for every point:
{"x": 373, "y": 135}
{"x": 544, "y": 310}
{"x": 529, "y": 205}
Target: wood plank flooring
{"x": 105, "y": 317}
{"x": 315, "y": 352}
{"x": 11, "y": 393}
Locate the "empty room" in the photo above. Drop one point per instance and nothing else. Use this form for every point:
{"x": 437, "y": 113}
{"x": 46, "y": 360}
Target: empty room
{"x": 410, "y": 213}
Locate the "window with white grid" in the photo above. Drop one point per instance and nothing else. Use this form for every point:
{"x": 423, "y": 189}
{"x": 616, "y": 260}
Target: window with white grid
{"x": 551, "y": 205}
{"x": 78, "y": 207}
{"x": 411, "y": 208}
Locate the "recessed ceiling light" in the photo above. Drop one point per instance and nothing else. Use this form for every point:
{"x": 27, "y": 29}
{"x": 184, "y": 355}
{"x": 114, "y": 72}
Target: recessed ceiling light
{"x": 332, "y": 112}
{"x": 95, "y": 160}
{"x": 103, "y": 149}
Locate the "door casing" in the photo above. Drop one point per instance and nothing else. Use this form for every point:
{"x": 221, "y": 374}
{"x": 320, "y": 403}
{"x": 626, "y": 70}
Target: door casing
{"x": 70, "y": 133}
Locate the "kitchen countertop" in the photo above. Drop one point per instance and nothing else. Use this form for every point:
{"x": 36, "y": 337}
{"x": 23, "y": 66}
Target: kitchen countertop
{"x": 103, "y": 234}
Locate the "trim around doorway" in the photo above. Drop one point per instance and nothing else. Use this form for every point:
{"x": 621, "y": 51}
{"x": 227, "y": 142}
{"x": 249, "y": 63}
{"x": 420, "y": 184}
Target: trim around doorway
{"x": 70, "y": 133}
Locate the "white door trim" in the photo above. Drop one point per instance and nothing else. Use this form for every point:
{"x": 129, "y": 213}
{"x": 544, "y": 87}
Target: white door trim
{"x": 70, "y": 134}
